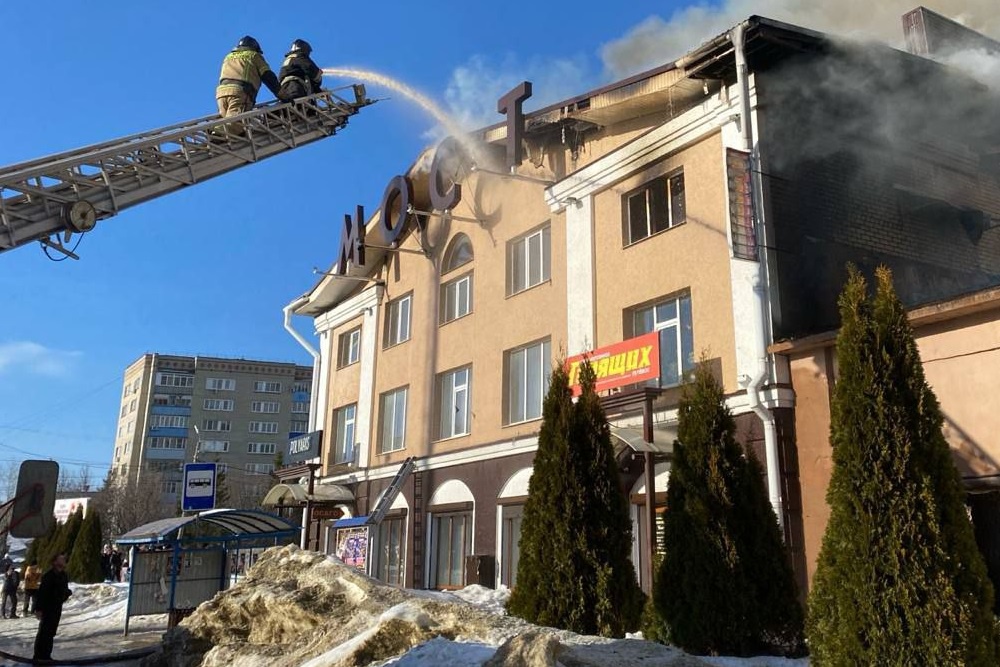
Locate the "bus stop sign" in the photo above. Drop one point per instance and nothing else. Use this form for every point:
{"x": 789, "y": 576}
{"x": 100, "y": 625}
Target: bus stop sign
{"x": 199, "y": 487}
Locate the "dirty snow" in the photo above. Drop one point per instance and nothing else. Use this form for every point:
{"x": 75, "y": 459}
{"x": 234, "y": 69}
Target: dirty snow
{"x": 300, "y": 609}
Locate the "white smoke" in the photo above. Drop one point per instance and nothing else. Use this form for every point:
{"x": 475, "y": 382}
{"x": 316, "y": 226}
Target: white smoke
{"x": 475, "y": 87}
{"x": 656, "y": 40}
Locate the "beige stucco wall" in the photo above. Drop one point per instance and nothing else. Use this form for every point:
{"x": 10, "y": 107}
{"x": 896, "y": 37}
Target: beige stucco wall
{"x": 497, "y": 322}
{"x": 692, "y": 257}
{"x": 960, "y": 356}
{"x": 342, "y": 389}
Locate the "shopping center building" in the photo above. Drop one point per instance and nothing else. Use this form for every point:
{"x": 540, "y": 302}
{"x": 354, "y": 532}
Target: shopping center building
{"x": 714, "y": 203}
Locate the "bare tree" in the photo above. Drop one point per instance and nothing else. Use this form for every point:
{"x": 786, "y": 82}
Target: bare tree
{"x": 125, "y": 504}
{"x": 8, "y": 479}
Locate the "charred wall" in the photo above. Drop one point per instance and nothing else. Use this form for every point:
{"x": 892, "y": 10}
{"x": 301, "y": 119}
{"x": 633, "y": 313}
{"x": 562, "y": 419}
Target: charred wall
{"x": 876, "y": 157}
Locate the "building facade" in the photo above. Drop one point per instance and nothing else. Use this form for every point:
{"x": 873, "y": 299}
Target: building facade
{"x": 237, "y": 412}
{"x": 713, "y": 202}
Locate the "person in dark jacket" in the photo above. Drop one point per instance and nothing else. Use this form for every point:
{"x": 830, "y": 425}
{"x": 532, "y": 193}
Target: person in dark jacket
{"x": 299, "y": 76}
{"x": 10, "y": 583}
{"x": 52, "y": 593}
{"x": 116, "y": 565}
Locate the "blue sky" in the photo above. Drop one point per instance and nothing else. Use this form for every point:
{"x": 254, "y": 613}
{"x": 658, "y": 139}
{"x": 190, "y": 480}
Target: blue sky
{"x": 208, "y": 270}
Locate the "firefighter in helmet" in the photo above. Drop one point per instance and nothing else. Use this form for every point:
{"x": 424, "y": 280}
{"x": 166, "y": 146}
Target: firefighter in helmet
{"x": 299, "y": 75}
{"x": 243, "y": 70}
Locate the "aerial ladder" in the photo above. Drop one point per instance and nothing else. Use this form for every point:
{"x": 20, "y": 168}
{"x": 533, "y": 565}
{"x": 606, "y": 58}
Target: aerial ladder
{"x": 53, "y": 198}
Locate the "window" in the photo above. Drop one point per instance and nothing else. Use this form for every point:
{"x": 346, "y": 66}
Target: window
{"x": 177, "y": 400}
{"x": 220, "y": 384}
{"x": 452, "y": 534}
{"x": 174, "y": 380}
{"x": 528, "y": 260}
{"x": 672, "y": 318}
{"x": 159, "y": 442}
{"x": 220, "y": 425}
{"x": 167, "y": 421}
{"x": 390, "y": 550}
{"x": 268, "y": 407}
{"x": 393, "y": 421}
{"x": 263, "y": 427}
{"x": 221, "y": 468}
{"x": 260, "y": 448}
{"x": 123, "y": 412}
{"x": 526, "y": 371}
{"x": 163, "y": 466}
{"x": 131, "y": 407}
{"x": 453, "y": 399}
{"x": 219, "y": 404}
{"x": 300, "y": 408}
{"x": 298, "y": 426}
{"x": 397, "y": 321}
{"x": 213, "y": 446}
{"x": 264, "y": 387}
{"x": 300, "y": 387}
{"x": 456, "y": 299}
{"x": 345, "y": 434}
{"x": 170, "y": 487}
{"x": 349, "y": 347}
{"x": 656, "y": 206}
{"x": 459, "y": 253}
{"x": 260, "y": 468}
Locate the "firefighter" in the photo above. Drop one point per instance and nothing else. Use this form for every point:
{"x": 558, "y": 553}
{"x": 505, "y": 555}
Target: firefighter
{"x": 243, "y": 70}
{"x": 299, "y": 75}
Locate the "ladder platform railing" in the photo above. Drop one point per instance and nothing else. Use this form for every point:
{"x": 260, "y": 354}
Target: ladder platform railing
{"x": 39, "y": 199}
{"x": 385, "y": 502}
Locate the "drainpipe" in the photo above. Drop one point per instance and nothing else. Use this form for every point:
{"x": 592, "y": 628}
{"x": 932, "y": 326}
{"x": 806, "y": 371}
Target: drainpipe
{"x": 306, "y": 518}
{"x": 758, "y": 322}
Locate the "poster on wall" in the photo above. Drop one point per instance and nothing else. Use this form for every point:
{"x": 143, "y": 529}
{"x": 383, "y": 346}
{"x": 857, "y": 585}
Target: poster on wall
{"x": 352, "y": 546}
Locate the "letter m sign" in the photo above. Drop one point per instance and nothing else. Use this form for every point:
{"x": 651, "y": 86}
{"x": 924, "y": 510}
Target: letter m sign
{"x": 352, "y": 242}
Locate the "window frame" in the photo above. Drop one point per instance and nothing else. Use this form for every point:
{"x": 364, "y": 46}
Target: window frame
{"x": 349, "y": 348}
{"x": 683, "y": 343}
{"x": 544, "y": 233}
{"x": 255, "y": 448}
{"x": 344, "y": 451}
{"x": 392, "y": 309}
{"x": 669, "y": 204}
{"x": 442, "y": 402}
{"x": 545, "y": 368}
{"x": 446, "y": 297}
{"x": 259, "y": 424}
{"x": 218, "y": 405}
{"x": 220, "y": 384}
{"x": 267, "y": 387}
{"x": 404, "y": 391}
{"x": 260, "y": 407}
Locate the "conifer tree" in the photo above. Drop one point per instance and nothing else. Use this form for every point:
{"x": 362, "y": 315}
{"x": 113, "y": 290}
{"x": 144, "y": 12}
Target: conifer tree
{"x": 725, "y": 584}
{"x": 64, "y": 538}
{"x": 574, "y": 570}
{"x": 899, "y": 578}
{"x": 84, "y": 565}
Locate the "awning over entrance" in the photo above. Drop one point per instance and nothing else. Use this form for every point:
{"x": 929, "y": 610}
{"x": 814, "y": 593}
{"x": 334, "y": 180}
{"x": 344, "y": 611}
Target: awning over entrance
{"x": 241, "y": 523}
{"x": 297, "y": 494}
{"x": 663, "y": 438}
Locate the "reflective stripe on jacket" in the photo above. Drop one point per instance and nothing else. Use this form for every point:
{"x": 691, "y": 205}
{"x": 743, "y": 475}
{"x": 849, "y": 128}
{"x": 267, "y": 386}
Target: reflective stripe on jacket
{"x": 242, "y": 70}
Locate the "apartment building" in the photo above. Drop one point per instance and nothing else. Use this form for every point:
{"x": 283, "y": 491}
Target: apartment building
{"x": 237, "y": 412}
{"x": 712, "y": 202}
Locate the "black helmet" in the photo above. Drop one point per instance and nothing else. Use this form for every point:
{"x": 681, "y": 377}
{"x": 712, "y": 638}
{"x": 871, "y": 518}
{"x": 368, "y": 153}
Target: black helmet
{"x": 248, "y": 42}
{"x": 300, "y": 46}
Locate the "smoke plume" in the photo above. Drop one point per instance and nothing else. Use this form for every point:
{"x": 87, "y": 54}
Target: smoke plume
{"x": 657, "y": 40}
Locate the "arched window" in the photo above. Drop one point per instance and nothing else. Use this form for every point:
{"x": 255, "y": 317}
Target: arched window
{"x": 458, "y": 254}
{"x": 456, "y": 294}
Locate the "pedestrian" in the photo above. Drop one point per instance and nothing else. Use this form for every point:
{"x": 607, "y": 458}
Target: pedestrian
{"x": 116, "y": 565}
{"x": 5, "y": 562}
{"x": 32, "y": 579}
{"x": 10, "y": 583}
{"x": 106, "y": 562}
{"x": 243, "y": 71}
{"x": 299, "y": 76}
{"x": 52, "y": 593}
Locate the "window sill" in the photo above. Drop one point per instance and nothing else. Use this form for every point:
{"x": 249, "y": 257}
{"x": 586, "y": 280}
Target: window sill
{"x": 381, "y": 453}
{"x": 522, "y": 423}
{"x": 389, "y": 347}
{"x": 452, "y": 437}
{"x": 653, "y": 236}
{"x": 348, "y": 365}
{"x": 528, "y": 289}
{"x": 456, "y": 319}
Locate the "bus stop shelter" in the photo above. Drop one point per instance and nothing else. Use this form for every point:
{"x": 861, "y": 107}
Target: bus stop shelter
{"x": 176, "y": 564}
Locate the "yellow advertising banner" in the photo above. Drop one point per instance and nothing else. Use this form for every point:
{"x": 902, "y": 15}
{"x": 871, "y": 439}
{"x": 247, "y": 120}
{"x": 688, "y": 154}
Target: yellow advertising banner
{"x": 628, "y": 362}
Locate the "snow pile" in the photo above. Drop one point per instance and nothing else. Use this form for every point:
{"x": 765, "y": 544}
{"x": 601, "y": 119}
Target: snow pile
{"x": 298, "y": 608}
